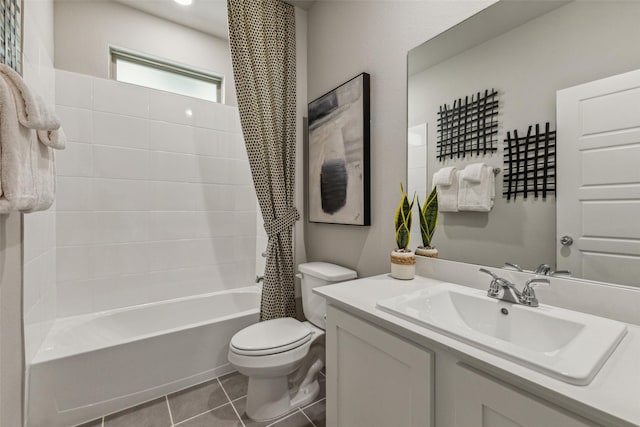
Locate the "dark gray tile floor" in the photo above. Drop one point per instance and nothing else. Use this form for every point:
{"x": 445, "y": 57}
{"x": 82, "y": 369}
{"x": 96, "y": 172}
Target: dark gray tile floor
{"x": 216, "y": 403}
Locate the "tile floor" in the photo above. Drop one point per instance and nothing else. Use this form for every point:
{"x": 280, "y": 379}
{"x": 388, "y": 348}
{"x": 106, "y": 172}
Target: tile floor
{"x": 216, "y": 403}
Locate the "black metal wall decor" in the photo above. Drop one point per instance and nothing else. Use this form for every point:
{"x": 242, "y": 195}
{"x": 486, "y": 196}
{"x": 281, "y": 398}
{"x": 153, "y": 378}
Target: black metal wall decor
{"x": 11, "y": 33}
{"x": 470, "y": 126}
{"x": 530, "y": 163}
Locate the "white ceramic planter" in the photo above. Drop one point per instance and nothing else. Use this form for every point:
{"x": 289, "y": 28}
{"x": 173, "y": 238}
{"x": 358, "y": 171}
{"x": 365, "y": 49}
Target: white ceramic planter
{"x": 403, "y": 265}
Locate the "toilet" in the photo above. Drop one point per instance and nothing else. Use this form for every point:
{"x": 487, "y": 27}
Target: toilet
{"x": 282, "y": 357}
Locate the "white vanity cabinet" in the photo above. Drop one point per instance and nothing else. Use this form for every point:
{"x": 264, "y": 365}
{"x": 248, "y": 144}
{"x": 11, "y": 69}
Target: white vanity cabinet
{"x": 483, "y": 401}
{"x": 375, "y": 378}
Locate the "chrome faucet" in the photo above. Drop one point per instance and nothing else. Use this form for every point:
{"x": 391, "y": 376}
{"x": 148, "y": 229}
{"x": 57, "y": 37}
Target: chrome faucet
{"x": 502, "y": 289}
{"x": 528, "y": 296}
{"x": 544, "y": 269}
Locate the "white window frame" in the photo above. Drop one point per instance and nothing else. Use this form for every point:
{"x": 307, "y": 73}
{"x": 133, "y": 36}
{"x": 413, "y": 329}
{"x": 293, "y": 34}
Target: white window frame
{"x": 150, "y": 61}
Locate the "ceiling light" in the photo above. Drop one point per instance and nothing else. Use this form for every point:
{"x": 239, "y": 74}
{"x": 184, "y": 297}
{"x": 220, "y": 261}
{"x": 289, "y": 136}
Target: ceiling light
{"x": 184, "y": 2}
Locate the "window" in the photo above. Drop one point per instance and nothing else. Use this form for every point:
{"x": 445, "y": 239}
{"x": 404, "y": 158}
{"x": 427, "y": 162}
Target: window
{"x": 129, "y": 67}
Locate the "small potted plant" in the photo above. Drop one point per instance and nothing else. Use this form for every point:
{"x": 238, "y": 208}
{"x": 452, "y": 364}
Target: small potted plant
{"x": 428, "y": 221}
{"x": 403, "y": 260}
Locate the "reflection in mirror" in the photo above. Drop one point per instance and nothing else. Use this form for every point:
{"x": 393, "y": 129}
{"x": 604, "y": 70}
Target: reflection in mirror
{"x": 528, "y": 51}
{"x": 417, "y": 169}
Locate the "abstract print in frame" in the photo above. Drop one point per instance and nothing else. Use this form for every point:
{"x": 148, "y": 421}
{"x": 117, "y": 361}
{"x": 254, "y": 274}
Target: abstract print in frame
{"x": 338, "y": 168}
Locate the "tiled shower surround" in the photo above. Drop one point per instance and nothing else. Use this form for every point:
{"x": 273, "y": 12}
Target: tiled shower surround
{"x": 155, "y": 198}
{"x": 39, "y": 280}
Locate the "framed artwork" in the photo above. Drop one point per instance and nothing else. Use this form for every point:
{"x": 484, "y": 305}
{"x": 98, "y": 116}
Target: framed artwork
{"x": 11, "y": 33}
{"x": 338, "y": 164}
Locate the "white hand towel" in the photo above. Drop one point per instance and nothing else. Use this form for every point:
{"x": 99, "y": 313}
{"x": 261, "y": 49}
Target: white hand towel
{"x": 444, "y": 176}
{"x": 473, "y": 172}
{"x": 18, "y": 190}
{"x": 477, "y": 196}
{"x": 31, "y": 108}
{"x": 448, "y": 194}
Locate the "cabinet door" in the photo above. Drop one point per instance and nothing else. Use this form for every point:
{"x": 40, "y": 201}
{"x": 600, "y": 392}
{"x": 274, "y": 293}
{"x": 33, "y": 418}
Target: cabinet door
{"x": 374, "y": 378}
{"x": 482, "y": 401}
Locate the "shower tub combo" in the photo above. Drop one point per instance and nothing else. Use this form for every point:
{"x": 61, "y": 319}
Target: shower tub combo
{"x": 98, "y": 363}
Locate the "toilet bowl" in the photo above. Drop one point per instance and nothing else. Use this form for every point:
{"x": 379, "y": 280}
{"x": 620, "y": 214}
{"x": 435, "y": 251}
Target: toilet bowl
{"x": 282, "y": 357}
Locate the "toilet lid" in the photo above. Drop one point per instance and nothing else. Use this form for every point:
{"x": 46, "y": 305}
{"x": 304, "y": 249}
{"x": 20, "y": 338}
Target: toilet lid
{"x": 271, "y": 336}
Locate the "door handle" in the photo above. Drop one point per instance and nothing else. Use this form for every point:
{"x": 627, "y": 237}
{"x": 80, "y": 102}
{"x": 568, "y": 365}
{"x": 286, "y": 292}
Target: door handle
{"x": 566, "y": 240}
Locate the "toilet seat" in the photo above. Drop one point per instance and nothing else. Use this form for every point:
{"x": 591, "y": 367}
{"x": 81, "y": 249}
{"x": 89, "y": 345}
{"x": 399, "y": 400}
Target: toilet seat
{"x": 270, "y": 337}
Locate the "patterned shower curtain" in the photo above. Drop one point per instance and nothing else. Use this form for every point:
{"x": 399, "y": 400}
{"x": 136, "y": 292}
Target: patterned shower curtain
{"x": 263, "y": 52}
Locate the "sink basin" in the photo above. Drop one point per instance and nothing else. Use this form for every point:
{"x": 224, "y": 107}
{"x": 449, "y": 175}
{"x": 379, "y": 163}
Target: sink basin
{"x": 564, "y": 344}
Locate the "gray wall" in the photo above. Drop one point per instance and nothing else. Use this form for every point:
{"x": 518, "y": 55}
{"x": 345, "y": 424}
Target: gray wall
{"x": 345, "y": 39}
{"x": 85, "y": 29}
{"x": 574, "y": 44}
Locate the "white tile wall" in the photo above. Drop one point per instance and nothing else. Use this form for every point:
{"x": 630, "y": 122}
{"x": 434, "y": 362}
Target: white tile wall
{"x": 155, "y": 197}
{"x": 118, "y": 130}
{"x": 39, "y": 280}
{"x": 77, "y": 122}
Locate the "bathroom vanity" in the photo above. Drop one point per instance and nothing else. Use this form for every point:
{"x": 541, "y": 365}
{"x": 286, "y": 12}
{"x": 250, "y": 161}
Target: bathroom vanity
{"x": 385, "y": 370}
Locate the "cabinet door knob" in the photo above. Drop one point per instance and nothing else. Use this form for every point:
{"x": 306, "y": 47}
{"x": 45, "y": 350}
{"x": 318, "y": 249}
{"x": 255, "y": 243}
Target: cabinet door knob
{"x": 566, "y": 240}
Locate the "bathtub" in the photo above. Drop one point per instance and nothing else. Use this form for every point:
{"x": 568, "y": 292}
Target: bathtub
{"x": 94, "y": 364}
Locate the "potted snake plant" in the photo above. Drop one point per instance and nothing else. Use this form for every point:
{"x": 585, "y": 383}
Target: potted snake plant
{"x": 428, "y": 221}
{"x": 403, "y": 260}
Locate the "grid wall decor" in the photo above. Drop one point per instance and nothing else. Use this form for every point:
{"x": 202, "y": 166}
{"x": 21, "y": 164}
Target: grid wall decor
{"x": 468, "y": 127}
{"x": 11, "y": 33}
{"x": 530, "y": 163}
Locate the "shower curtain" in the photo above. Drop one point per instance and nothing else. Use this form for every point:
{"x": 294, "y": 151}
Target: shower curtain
{"x": 262, "y": 39}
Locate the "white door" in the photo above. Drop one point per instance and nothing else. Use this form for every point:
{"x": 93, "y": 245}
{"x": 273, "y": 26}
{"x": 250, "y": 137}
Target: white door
{"x": 598, "y": 170}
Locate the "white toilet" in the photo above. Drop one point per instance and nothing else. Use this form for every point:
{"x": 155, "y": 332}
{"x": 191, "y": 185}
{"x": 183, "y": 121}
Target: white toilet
{"x": 282, "y": 357}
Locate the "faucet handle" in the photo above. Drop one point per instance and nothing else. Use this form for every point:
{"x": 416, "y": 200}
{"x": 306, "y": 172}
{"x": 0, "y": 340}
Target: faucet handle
{"x": 536, "y": 281}
{"x": 513, "y": 266}
{"x": 490, "y": 273}
{"x": 528, "y": 296}
{"x": 494, "y": 287}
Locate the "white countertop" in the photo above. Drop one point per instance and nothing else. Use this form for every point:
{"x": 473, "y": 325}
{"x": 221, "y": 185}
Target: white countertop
{"x": 612, "y": 398}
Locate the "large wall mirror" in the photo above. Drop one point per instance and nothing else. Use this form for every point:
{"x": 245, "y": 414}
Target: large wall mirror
{"x": 546, "y": 60}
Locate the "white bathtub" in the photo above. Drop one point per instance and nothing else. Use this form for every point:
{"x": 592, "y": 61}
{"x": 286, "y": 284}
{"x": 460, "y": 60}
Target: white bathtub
{"x": 95, "y": 364}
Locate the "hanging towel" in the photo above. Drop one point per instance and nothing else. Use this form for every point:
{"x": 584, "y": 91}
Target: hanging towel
{"x": 447, "y": 194}
{"x": 44, "y": 168}
{"x": 53, "y": 138}
{"x": 476, "y": 195}
{"x": 18, "y": 189}
{"x": 444, "y": 176}
{"x": 29, "y": 131}
{"x": 32, "y": 111}
{"x": 473, "y": 172}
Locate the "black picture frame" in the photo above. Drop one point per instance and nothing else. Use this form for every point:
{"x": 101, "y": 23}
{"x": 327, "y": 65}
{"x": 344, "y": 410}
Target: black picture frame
{"x": 338, "y": 164}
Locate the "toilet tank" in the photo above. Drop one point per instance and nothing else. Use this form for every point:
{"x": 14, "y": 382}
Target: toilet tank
{"x": 316, "y": 274}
